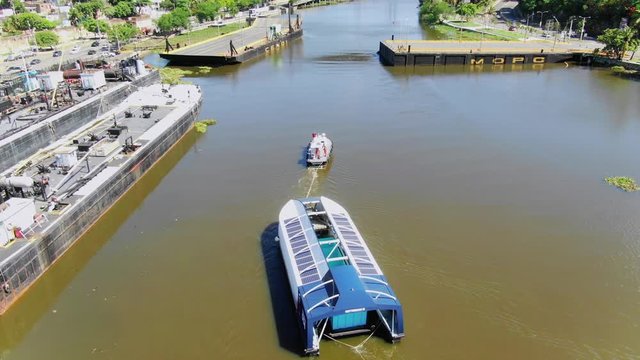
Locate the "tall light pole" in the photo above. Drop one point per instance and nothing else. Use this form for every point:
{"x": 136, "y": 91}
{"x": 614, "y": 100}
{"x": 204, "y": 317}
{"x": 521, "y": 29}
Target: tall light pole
{"x": 541, "y": 15}
{"x": 570, "y": 27}
{"x": 555, "y": 38}
{"x": 584, "y": 20}
{"x": 526, "y": 28}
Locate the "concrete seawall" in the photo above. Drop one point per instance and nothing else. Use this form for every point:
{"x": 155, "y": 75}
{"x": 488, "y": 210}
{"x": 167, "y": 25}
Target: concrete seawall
{"x": 26, "y": 265}
{"x": 27, "y": 142}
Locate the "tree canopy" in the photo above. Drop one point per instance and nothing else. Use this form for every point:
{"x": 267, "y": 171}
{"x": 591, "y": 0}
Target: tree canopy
{"x": 173, "y": 21}
{"x": 82, "y": 11}
{"x": 121, "y": 10}
{"x": 47, "y": 38}
{"x": 26, "y": 21}
{"x": 96, "y": 26}
{"x": 468, "y": 10}
{"x": 603, "y": 14}
{"x": 207, "y": 10}
{"x": 122, "y": 32}
{"x": 619, "y": 41}
{"x": 432, "y": 11}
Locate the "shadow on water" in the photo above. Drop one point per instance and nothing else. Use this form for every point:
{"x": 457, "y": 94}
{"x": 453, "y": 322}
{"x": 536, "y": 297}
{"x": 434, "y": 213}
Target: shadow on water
{"x": 281, "y": 302}
{"x": 38, "y": 299}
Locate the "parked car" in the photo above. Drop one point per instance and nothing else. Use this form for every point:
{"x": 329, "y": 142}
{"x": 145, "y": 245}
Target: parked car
{"x": 75, "y": 50}
{"x": 95, "y": 44}
{"x": 28, "y": 53}
{"x": 35, "y": 62}
{"x": 91, "y": 52}
{"x": 14, "y": 68}
{"x": 57, "y": 53}
{"x": 11, "y": 57}
{"x": 512, "y": 28}
{"x": 107, "y": 54}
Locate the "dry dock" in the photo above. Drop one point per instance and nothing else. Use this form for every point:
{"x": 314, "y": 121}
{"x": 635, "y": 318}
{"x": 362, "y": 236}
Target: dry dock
{"x": 236, "y": 47}
{"x": 427, "y": 52}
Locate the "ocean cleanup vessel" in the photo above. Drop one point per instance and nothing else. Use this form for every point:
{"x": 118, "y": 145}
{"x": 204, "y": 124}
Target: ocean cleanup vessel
{"x": 337, "y": 287}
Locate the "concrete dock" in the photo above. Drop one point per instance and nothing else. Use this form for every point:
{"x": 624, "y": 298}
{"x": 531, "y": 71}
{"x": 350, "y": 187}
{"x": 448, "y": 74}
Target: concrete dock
{"x": 434, "y": 52}
{"x": 247, "y": 43}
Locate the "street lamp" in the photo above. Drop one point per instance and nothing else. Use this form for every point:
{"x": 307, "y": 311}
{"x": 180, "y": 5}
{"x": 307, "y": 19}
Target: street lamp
{"x": 541, "y": 15}
{"x": 584, "y": 20}
{"x": 527, "y": 30}
{"x": 555, "y": 38}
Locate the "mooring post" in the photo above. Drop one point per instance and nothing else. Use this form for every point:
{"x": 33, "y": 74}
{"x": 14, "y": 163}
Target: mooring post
{"x": 392, "y": 37}
{"x": 409, "y": 49}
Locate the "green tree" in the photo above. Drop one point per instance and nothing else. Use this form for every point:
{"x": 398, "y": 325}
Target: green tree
{"x": 122, "y": 33}
{"x": 173, "y": 21}
{"x": 468, "y": 10}
{"x": 207, "y": 10}
{"x": 18, "y": 7}
{"x": 619, "y": 41}
{"x": 96, "y": 26}
{"x": 230, "y": 6}
{"x": 26, "y": 21}
{"x": 174, "y": 4}
{"x": 432, "y": 11}
{"x": 85, "y": 10}
{"x": 121, "y": 10}
{"x": 47, "y": 38}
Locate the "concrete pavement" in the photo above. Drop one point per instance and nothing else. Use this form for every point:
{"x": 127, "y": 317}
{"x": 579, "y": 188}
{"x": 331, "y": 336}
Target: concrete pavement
{"x": 219, "y": 46}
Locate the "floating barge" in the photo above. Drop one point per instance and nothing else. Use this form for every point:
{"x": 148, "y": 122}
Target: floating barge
{"x": 437, "y": 52}
{"x": 236, "y": 47}
{"x": 48, "y": 200}
{"x": 337, "y": 287}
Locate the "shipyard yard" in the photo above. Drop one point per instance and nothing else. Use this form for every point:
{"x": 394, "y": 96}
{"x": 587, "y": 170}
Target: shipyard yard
{"x": 478, "y": 189}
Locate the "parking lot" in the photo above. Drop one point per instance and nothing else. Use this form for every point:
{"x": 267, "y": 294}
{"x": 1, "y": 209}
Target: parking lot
{"x": 67, "y": 53}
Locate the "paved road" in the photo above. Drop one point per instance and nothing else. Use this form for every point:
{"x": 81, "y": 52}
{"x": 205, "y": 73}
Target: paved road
{"x": 246, "y": 37}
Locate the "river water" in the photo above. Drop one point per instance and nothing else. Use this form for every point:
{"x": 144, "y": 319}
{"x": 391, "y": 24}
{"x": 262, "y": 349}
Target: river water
{"x": 480, "y": 193}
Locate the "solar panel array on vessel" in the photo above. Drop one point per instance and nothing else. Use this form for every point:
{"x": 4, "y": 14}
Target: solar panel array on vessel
{"x": 354, "y": 244}
{"x": 305, "y": 263}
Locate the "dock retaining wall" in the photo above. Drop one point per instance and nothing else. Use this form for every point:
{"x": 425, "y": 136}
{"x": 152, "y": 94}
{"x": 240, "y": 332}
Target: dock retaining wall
{"x": 390, "y": 57}
{"x": 24, "y": 267}
{"x": 27, "y": 142}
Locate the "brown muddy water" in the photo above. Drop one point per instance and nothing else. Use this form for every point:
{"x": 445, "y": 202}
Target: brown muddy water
{"x": 480, "y": 193}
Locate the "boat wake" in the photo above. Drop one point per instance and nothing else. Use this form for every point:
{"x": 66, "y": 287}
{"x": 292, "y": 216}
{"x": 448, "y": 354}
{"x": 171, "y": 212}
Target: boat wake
{"x": 308, "y": 184}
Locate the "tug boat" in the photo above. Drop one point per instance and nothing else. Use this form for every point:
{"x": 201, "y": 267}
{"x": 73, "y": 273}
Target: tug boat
{"x": 319, "y": 150}
{"x": 337, "y": 287}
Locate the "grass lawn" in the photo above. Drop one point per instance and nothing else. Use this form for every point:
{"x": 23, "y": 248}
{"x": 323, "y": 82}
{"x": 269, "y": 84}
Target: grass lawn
{"x": 190, "y": 38}
{"x": 454, "y": 34}
{"x": 466, "y": 23}
{"x": 511, "y": 35}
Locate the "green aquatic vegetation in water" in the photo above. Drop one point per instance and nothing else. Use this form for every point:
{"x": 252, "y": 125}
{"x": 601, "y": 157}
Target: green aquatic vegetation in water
{"x": 201, "y": 126}
{"x": 204, "y": 69}
{"x": 623, "y": 182}
{"x": 173, "y": 76}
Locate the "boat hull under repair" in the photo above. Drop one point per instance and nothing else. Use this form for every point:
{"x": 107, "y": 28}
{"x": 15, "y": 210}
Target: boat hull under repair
{"x": 337, "y": 287}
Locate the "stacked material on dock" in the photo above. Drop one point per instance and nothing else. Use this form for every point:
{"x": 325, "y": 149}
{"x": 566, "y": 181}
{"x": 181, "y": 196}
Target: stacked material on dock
{"x": 337, "y": 287}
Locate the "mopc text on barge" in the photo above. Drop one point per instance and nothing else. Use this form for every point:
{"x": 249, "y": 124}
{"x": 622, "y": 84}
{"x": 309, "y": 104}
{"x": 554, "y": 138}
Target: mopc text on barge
{"x": 338, "y": 288}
